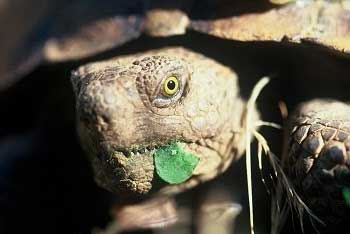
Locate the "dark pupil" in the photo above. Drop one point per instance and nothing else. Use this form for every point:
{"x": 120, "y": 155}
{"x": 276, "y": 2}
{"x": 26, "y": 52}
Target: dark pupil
{"x": 171, "y": 85}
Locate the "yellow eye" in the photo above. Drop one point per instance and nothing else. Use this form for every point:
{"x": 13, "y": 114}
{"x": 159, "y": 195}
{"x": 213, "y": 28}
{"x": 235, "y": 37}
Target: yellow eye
{"x": 171, "y": 86}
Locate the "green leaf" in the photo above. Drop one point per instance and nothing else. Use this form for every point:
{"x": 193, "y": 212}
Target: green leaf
{"x": 346, "y": 195}
{"x": 173, "y": 164}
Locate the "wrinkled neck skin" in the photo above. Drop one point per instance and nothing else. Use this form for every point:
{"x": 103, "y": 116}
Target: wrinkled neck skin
{"x": 124, "y": 116}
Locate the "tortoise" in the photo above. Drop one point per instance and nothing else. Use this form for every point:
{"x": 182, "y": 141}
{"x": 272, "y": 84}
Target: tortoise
{"x": 167, "y": 81}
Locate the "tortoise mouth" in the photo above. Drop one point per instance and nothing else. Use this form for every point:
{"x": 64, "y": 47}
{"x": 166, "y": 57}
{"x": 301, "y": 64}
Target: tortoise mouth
{"x": 137, "y": 151}
{"x": 140, "y": 169}
{"x": 151, "y": 148}
{"x": 132, "y": 170}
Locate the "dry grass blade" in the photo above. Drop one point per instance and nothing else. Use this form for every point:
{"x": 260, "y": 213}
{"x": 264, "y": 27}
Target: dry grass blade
{"x": 260, "y": 123}
{"x": 284, "y": 197}
{"x": 249, "y": 128}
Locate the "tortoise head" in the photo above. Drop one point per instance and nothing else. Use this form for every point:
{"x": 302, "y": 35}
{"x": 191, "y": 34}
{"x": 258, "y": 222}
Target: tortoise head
{"x": 172, "y": 104}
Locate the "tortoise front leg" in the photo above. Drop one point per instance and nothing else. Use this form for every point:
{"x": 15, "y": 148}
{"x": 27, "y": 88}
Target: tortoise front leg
{"x": 317, "y": 159}
{"x": 218, "y": 211}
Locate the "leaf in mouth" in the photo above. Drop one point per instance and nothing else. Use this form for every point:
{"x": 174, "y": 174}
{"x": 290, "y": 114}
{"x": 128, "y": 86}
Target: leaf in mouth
{"x": 173, "y": 164}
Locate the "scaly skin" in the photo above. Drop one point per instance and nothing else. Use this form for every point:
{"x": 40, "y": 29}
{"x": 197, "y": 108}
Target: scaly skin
{"x": 123, "y": 116}
{"x": 318, "y": 159}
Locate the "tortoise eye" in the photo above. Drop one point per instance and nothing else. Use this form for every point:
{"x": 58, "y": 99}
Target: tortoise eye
{"x": 171, "y": 86}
